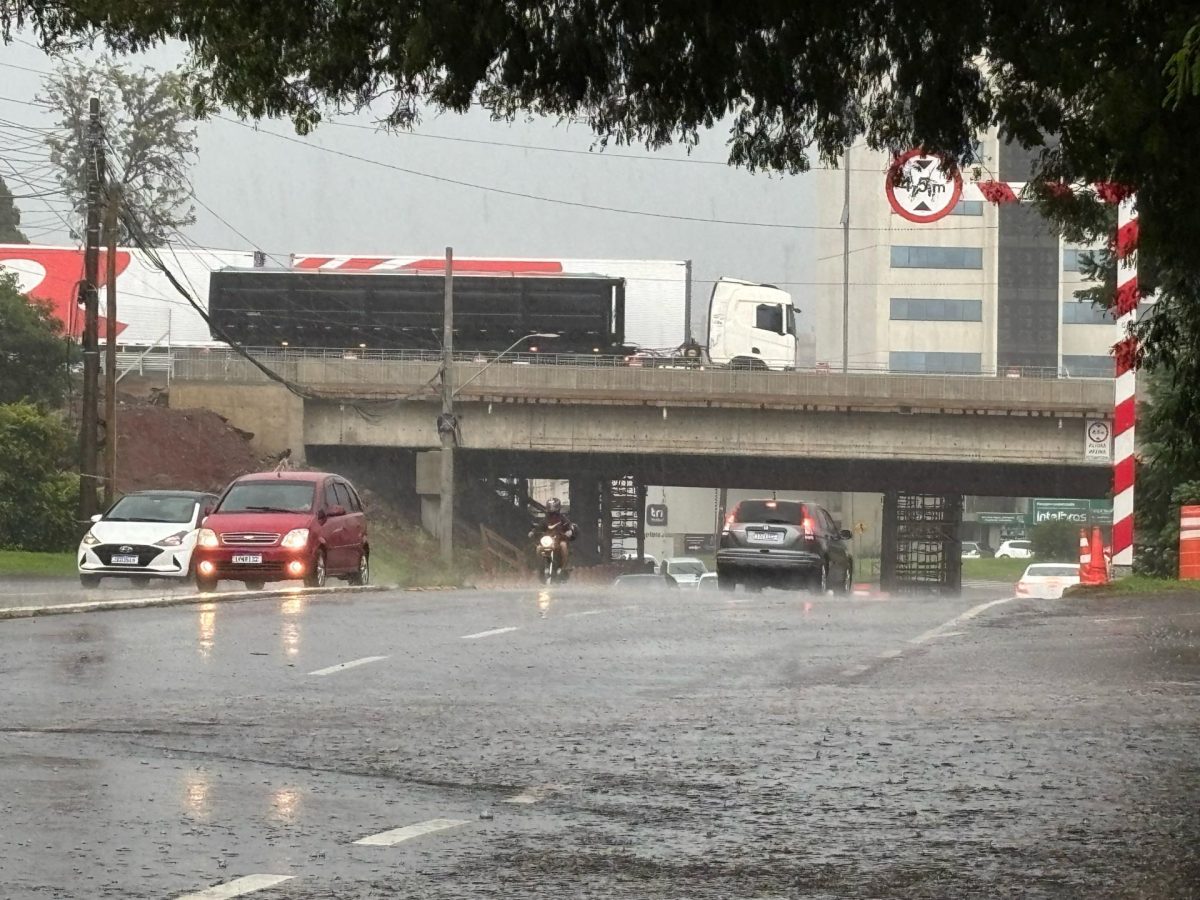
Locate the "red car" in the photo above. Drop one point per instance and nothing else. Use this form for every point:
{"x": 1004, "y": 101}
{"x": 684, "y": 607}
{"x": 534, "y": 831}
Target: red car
{"x": 279, "y": 526}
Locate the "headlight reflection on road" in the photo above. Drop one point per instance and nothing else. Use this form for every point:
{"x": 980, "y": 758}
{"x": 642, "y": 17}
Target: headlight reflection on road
{"x": 543, "y": 601}
{"x": 207, "y": 629}
{"x": 292, "y": 608}
{"x": 196, "y": 789}
{"x": 285, "y": 803}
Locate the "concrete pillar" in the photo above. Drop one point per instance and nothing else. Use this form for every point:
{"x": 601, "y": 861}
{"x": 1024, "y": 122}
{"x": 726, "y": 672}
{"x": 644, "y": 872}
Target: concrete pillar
{"x": 585, "y": 512}
{"x": 641, "y": 521}
{"x": 429, "y": 473}
{"x": 888, "y": 544}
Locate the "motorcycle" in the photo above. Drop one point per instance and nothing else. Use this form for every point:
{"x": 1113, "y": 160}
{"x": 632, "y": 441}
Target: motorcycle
{"x": 550, "y": 555}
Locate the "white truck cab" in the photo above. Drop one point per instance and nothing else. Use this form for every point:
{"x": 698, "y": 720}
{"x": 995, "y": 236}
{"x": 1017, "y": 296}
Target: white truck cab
{"x": 751, "y": 326}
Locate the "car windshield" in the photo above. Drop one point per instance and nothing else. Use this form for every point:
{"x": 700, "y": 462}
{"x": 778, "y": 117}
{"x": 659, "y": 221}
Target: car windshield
{"x": 970, "y": 546}
{"x": 1019, "y": 545}
{"x": 686, "y": 567}
{"x": 269, "y": 496}
{"x": 1049, "y": 571}
{"x": 780, "y": 512}
{"x": 175, "y": 509}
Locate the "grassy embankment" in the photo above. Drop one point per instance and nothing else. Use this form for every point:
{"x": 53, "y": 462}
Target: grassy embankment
{"x": 1135, "y": 586}
{"x": 23, "y": 564}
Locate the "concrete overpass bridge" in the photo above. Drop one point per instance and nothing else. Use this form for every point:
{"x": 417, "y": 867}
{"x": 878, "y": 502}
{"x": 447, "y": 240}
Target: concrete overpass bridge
{"x": 869, "y": 431}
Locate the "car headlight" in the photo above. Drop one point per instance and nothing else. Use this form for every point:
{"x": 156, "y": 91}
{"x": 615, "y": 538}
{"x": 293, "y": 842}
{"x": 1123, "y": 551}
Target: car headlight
{"x": 90, "y": 539}
{"x": 207, "y": 538}
{"x": 296, "y": 539}
{"x": 547, "y": 541}
{"x": 173, "y": 540}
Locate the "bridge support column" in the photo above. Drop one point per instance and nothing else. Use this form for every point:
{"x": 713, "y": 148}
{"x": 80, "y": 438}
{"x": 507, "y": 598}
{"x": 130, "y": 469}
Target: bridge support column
{"x": 429, "y": 489}
{"x": 585, "y": 512}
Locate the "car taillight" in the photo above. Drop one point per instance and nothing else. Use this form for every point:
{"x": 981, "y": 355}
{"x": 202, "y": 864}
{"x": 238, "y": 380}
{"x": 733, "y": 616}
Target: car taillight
{"x": 1022, "y": 587}
{"x": 729, "y": 521}
{"x": 809, "y": 529}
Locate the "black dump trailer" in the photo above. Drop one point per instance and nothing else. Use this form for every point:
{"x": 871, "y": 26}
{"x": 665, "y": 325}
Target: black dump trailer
{"x": 402, "y": 310}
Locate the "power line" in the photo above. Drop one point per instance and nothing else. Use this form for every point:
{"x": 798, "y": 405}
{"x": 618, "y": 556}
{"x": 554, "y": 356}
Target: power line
{"x": 36, "y": 103}
{"x": 559, "y": 201}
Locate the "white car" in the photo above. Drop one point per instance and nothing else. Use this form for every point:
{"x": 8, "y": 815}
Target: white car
{"x": 686, "y": 570}
{"x": 1015, "y": 550}
{"x": 146, "y": 534}
{"x": 1047, "y": 581}
{"x": 709, "y": 581}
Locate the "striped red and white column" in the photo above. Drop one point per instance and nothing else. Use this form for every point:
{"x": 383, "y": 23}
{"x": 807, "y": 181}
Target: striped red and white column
{"x": 1125, "y": 411}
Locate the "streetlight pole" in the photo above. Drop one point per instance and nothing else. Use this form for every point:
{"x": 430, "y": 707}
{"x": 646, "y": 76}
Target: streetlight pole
{"x": 446, "y": 425}
{"x": 537, "y": 334}
{"x": 846, "y": 263}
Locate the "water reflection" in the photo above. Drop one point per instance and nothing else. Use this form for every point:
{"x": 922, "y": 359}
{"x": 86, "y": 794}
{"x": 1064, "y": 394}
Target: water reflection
{"x": 196, "y": 790}
{"x": 285, "y": 803}
{"x": 206, "y": 626}
{"x": 292, "y": 608}
{"x": 543, "y": 602}
{"x": 808, "y": 607}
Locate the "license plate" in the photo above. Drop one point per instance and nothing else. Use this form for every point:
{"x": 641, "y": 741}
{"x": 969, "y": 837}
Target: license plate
{"x": 124, "y": 560}
{"x": 248, "y": 559}
{"x": 765, "y": 537}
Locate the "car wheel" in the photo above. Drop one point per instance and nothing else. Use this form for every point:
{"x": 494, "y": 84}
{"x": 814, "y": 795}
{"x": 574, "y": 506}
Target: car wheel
{"x": 820, "y": 582}
{"x": 847, "y": 584}
{"x": 363, "y": 575}
{"x": 89, "y": 581}
{"x": 726, "y": 582}
{"x": 316, "y": 576}
{"x": 254, "y": 585}
{"x": 206, "y": 584}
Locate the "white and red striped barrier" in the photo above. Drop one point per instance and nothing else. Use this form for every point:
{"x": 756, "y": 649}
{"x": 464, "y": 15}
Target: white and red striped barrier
{"x": 1189, "y": 542}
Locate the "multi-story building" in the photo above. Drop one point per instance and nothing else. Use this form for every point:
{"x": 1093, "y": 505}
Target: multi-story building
{"x": 987, "y": 289}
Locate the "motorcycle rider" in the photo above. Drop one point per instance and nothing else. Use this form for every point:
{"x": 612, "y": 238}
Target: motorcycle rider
{"x": 555, "y": 522}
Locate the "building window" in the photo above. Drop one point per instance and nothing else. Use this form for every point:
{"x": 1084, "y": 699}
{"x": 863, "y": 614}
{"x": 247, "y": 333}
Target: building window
{"x": 967, "y": 208}
{"x": 914, "y": 309}
{"x": 1076, "y": 312}
{"x": 934, "y": 362}
{"x": 937, "y": 258}
{"x": 1089, "y": 366}
{"x": 1075, "y": 259}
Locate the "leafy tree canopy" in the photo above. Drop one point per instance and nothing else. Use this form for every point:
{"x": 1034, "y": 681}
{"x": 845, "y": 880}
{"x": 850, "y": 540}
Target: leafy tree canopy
{"x": 149, "y": 138}
{"x": 33, "y": 353}
{"x": 37, "y": 496}
{"x": 1103, "y": 77}
{"x": 10, "y": 218}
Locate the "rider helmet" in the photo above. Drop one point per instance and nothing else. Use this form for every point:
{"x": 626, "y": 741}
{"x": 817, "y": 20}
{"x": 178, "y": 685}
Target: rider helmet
{"x": 553, "y": 505}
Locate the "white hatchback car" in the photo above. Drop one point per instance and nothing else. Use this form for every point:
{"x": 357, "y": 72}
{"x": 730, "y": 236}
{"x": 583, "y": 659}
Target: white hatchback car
{"x": 1015, "y": 550}
{"x": 146, "y": 534}
{"x": 1047, "y": 581}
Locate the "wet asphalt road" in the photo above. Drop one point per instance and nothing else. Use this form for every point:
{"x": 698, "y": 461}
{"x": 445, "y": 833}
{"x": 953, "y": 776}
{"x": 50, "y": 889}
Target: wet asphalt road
{"x": 672, "y": 745}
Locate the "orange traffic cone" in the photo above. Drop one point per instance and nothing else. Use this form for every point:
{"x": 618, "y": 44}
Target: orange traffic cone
{"x": 1097, "y": 569}
{"x": 1085, "y": 555}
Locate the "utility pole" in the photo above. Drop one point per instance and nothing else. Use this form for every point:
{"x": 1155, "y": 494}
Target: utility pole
{"x": 91, "y": 307}
{"x": 110, "y": 338}
{"x": 846, "y": 263}
{"x": 446, "y": 425}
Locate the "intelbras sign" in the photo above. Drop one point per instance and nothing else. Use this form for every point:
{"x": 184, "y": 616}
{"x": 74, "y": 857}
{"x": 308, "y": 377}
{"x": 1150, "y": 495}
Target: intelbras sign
{"x": 1077, "y": 512}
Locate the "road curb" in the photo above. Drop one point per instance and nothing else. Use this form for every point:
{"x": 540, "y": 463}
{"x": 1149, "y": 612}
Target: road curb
{"x": 66, "y": 609}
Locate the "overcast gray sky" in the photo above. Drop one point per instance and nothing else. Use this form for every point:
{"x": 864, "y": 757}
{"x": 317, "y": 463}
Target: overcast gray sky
{"x": 290, "y": 195}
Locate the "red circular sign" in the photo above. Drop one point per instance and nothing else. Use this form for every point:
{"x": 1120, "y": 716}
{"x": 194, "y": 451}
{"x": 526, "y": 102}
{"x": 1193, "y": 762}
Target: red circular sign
{"x": 921, "y": 187}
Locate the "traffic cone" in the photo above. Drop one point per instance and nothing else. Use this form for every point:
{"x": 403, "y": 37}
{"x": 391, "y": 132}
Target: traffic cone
{"x": 1098, "y": 565}
{"x": 1085, "y": 555}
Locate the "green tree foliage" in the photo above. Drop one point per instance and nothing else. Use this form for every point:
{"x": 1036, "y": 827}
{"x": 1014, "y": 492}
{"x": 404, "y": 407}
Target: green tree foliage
{"x": 1055, "y": 541}
{"x": 10, "y": 218}
{"x": 34, "y": 355}
{"x": 149, "y": 137}
{"x": 38, "y": 499}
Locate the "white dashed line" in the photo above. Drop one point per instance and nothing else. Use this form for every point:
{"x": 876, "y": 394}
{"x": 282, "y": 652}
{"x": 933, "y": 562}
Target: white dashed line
{"x": 408, "y": 832}
{"x": 943, "y": 629}
{"x": 483, "y": 634}
{"x": 855, "y": 671}
{"x": 1120, "y": 619}
{"x": 891, "y": 654}
{"x": 238, "y": 887}
{"x": 341, "y": 667}
{"x": 530, "y": 796}
{"x": 586, "y": 612}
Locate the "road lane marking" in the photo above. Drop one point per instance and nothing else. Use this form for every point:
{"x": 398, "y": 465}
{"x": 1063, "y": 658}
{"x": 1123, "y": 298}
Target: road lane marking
{"x": 238, "y": 887}
{"x": 586, "y": 612}
{"x": 483, "y": 634}
{"x": 855, "y": 671}
{"x": 408, "y": 832}
{"x": 341, "y": 667}
{"x": 532, "y": 795}
{"x": 945, "y": 627}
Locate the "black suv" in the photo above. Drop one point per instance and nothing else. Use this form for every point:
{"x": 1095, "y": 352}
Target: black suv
{"x": 782, "y": 543}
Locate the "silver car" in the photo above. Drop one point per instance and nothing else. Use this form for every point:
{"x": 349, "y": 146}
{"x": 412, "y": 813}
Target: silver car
{"x": 782, "y": 543}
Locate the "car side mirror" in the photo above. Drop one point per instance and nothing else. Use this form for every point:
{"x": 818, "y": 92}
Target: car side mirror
{"x": 97, "y": 517}
{"x": 846, "y": 534}
{"x": 335, "y": 511}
